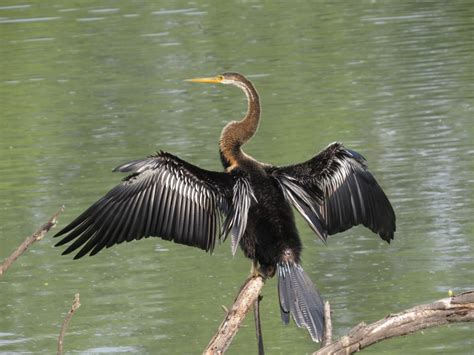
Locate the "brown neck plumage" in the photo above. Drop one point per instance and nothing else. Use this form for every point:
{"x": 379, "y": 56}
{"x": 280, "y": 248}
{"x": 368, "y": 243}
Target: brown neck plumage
{"x": 237, "y": 133}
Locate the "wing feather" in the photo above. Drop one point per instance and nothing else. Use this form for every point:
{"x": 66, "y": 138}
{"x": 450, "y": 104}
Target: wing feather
{"x": 242, "y": 198}
{"x": 335, "y": 191}
{"x": 166, "y": 197}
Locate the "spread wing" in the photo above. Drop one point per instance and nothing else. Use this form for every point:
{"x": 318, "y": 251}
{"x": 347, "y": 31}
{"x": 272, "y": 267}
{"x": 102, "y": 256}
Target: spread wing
{"x": 164, "y": 196}
{"x": 334, "y": 191}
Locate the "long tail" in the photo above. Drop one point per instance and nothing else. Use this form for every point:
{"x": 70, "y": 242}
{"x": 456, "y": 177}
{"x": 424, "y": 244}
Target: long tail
{"x": 299, "y": 297}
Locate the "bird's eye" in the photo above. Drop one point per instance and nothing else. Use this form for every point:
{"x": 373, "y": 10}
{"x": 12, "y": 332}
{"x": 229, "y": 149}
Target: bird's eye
{"x": 220, "y": 77}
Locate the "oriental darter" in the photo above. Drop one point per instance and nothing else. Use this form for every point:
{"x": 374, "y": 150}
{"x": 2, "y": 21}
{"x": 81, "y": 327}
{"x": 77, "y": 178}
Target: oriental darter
{"x": 165, "y": 196}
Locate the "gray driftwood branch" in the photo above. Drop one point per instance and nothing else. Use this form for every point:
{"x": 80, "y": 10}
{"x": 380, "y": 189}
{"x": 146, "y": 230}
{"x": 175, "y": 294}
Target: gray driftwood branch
{"x": 459, "y": 308}
{"x": 246, "y": 298}
{"x": 38, "y": 235}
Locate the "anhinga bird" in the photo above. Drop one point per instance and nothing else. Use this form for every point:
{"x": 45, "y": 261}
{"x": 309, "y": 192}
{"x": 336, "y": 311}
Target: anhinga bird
{"x": 170, "y": 198}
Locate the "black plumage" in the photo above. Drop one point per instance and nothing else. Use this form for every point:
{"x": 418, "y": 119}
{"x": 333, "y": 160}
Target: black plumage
{"x": 167, "y": 197}
{"x": 338, "y": 192}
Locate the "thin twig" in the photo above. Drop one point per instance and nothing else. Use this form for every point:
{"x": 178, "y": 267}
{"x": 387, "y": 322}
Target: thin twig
{"x": 75, "y": 305}
{"x": 327, "y": 337}
{"x": 230, "y": 325}
{"x": 459, "y": 308}
{"x": 38, "y": 235}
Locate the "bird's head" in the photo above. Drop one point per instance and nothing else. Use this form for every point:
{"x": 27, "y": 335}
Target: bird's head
{"x": 224, "y": 78}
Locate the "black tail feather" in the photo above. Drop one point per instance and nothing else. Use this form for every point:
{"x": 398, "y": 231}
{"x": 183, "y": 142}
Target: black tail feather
{"x": 299, "y": 297}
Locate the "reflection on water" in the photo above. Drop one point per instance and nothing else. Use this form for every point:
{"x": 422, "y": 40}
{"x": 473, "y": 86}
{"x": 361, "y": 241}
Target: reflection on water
{"x": 88, "y": 87}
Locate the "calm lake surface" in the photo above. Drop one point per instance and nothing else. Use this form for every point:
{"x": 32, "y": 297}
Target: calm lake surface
{"x": 86, "y": 86}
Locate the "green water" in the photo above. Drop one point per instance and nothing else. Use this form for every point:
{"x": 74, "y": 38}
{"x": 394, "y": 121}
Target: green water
{"x": 86, "y": 86}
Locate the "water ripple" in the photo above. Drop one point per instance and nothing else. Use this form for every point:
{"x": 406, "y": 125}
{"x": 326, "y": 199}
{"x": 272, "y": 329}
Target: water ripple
{"x": 15, "y": 7}
{"x": 104, "y": 11}
{"x": 171, "y": 12}
{"x": 90, "y": 19}
{"x": 32, "y": 19}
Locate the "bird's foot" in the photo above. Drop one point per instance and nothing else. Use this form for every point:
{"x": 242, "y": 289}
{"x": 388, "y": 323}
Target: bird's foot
{"x": 261, "y": 271}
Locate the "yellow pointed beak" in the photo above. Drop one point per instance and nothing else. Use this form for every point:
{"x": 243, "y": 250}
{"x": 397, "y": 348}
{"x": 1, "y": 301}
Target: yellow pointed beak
{"x": 214, "y": 80}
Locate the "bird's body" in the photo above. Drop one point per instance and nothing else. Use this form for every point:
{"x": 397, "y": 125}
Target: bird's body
{"x": 251, "y": 201}
{"x": 272, "y": 228}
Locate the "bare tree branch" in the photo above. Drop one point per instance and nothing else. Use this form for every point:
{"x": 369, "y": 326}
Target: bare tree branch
{"x": 38, "y": 235}
{"x": 327, "y": 336}
{"x": 459, "y": 308}
{"x": 247, "y": 297}
{"x": 75, "y": 305}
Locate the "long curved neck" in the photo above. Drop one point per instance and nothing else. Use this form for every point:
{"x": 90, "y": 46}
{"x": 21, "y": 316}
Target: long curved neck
{"x": 237, "y": 133}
